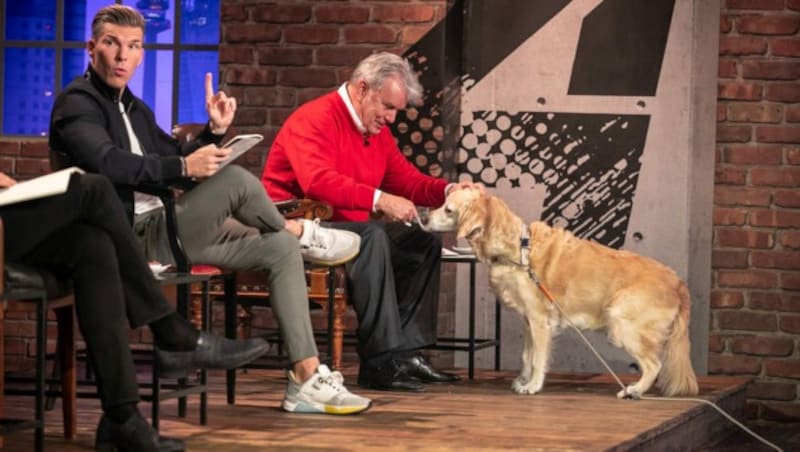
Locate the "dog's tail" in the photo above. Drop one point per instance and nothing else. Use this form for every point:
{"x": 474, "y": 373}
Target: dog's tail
{"x": 677, "y": 376}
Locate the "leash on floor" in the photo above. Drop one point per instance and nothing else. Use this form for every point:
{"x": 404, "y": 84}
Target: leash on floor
{"x": 552, "y": 300}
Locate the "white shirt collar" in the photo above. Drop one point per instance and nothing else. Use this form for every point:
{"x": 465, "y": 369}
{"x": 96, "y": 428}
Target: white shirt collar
{"x": 346, "y": 98}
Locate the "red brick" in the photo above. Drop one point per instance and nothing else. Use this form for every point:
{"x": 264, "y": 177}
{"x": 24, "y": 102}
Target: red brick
{"x": 733, "y": 365}
{"x": 31, "y": 167}
{"x": 778, "y": 134}
{"x": 270, "y": 97}
{"x": 7, "y": 166}
{"x": 793, "y": 113}
{"x": 403, "y": 13}
{"x": 774, "y": 218}
{"x": 755, "y": 4}
{"x": 716, "y": 343}
{"x": 764, "y": 301}
{"x": 754, "y": 112}
{"x": 733, "y": 134}
{"x": 341, "y": 14}
{"x": 729, "y": 259}
{"x": 747, "y": 279}
{"x": 249, "y": 76}
{"x": 790, "y": 302}
{"x": 771, "y": 390}
{"x": 413, "y": 34}
{"x": 793, "y": 4}
{"x": 724, "y": 216}
{"x": 308, "y": 77}
{"x": 22, "y": 328}
{"x": 251, "y": 33}
{"x": 783, "y": 92}
{"x": 735, "y": 196}
{"x": 787, "y": 368}
{"x": 237, "y": 55}
{"x": 776, "y": 177}
{"x": 787, "y": 47}
{"x": 739, "y": 91}
{"x": 768, "y": 25}
{"x": 722, "y": 112}
{"x": 790, "y": 323}
{"x": 282, "y": 14}
{"x": 277, "y": 116}
{"x": 725, "y": 24}
{"x": 342, "y": 55}
{"x": 729, "y": 176}
{"x": 370, "y": 34}
{"x": 780, "y": 411}
{"x": 721, "y": 299}
{"x": 742, "y": 45}
{"x": 790, "y": 281}
{"x": 233, "y": 13}
{"x": 746, "y": 321}
{"x": 762, "y": 345}
{"x": 306, "y": 94}
{"x": 728, "y": 68}
{"x": 770, "y": 70}
{"x": 754, "y": 155}
{"x": 250, "y": 117}
{"x": 285, "y": 56}
{"x": 9, "y": 147}
{"x": 312, "y": 34}
{"x": 787, "y": 198}
{"x": 790, "y": 239}
{"x": 793, "y": 156}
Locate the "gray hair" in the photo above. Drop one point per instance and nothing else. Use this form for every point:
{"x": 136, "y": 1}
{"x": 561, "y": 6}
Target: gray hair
{"x": 378, "y": 67}
{"x": 116, "y": 15}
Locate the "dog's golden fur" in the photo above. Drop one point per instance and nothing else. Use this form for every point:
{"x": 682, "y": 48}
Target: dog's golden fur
{"x": 641, "y": 303}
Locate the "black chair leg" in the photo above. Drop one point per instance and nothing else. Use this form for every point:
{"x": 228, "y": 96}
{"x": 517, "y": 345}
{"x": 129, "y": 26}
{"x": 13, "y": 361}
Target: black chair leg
{"x": 41, "y": 350}
{"x": 229, "y": 286}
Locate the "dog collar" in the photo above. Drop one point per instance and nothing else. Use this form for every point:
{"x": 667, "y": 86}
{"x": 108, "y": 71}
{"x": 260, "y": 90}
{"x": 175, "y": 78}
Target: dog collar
{"x": 524, "y": 246}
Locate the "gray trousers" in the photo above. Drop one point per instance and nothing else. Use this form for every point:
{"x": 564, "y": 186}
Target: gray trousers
{"x": 228, "y": 221}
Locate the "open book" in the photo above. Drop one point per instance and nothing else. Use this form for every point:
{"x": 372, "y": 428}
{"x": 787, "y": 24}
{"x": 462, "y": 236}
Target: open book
{"x": 48, "y": 185}
{"x": 239, "y": 145}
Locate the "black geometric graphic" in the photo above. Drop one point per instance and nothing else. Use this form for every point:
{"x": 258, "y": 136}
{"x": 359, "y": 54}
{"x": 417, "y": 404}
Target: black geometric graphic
{"x": 621, "y": 48}
{"x": 588, "y": 162}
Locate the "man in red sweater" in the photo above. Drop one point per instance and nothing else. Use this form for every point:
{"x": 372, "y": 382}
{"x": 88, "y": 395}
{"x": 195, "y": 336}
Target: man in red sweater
{"x": 338, "y": 149}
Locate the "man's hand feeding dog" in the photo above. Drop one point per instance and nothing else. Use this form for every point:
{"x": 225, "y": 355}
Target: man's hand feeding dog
{"x": 641, "y": 303}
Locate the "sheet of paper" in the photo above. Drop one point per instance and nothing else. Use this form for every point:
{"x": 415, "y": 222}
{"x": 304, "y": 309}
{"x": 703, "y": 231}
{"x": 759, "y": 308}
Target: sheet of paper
{"x": 51, "y": 184}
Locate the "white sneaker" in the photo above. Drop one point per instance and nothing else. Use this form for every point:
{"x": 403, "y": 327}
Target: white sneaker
{"x": 327, "y": 246}
{"x": 324, "y": 392}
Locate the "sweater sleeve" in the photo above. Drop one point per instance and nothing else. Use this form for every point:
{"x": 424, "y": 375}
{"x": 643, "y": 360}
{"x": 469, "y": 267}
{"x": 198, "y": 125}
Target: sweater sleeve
{"x": 404, "y": 179}
{"x": 80, "y": 125}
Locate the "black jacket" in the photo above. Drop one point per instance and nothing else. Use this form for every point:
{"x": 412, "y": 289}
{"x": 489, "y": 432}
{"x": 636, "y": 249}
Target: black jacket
{"x": 87, "y": 127}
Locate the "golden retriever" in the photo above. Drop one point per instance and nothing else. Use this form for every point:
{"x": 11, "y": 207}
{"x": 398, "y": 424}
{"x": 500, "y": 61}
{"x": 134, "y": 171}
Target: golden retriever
{"x": 641, "y": 303}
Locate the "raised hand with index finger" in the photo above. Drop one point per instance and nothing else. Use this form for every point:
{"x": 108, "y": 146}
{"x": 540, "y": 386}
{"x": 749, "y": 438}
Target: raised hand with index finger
{"x": 221, "y": 108}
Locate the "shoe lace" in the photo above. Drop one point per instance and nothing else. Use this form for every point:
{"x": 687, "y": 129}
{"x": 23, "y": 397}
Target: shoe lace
{"x": 320, "y": 238}
{"x": 334, "y": 379}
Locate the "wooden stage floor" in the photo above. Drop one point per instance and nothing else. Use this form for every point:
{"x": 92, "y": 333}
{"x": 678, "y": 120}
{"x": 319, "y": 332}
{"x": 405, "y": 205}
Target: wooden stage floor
{"x": 575, "y": 412}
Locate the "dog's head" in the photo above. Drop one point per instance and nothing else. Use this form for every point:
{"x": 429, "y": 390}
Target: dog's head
{"x": 463, "y": 211}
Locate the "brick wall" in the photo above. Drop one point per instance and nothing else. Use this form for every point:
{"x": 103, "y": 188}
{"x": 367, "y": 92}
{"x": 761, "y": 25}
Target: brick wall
{"x": 755, "y": 300}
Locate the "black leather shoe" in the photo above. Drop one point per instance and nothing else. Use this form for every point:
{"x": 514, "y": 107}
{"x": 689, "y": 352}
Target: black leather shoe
{"x": 135, "y": 434}
{"x": 388, "y": 377}
{"x": 418, "y": 367}
{"x": 212, "y": 352}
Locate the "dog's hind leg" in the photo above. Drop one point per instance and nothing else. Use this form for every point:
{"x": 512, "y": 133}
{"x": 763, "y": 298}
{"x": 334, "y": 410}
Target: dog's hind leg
{"x": 646, "y": 349}
{"x": 541, "y": 336}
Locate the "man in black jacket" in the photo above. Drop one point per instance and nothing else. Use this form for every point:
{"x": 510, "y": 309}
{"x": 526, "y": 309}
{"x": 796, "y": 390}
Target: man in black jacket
{"x": 227, "y": 220}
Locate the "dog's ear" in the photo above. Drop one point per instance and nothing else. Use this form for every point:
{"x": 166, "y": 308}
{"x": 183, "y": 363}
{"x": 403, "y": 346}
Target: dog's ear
{"x": 472, "y": 219}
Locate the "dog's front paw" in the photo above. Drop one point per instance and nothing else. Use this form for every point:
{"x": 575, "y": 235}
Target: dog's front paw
{"x": 522, "y": 387}
{"x": 630, "y": 392}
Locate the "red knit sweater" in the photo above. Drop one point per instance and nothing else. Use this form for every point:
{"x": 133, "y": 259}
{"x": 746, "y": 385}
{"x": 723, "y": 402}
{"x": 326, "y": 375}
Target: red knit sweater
{"x": 320, "y": 154}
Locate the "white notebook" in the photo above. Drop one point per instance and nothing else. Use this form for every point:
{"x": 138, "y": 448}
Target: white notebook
{"x": 51, "y": 184}
{"x": 239, "y": 145}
